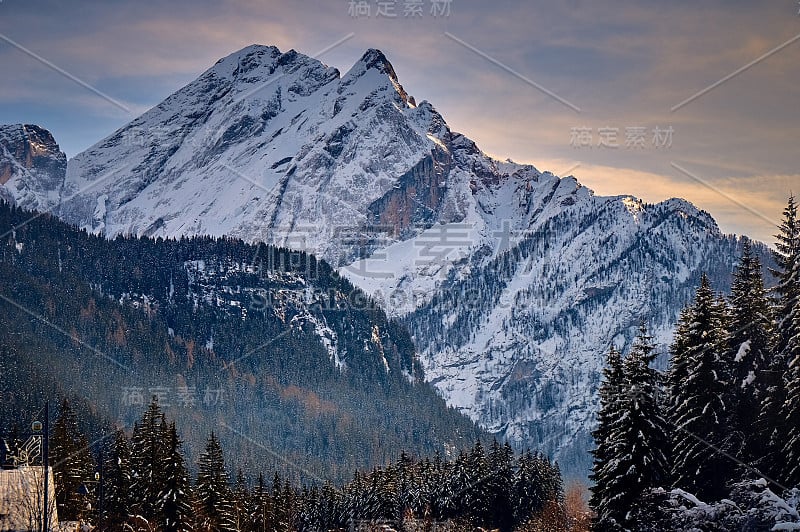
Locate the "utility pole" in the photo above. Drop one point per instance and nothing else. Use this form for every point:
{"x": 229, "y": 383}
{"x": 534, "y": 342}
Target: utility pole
{"x": 101, "y": 494}
{"x": 46, "y": 463}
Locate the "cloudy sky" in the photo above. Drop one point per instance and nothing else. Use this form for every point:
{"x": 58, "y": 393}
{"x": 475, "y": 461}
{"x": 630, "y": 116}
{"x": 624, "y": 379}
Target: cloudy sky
{"x": 652, "y": 99}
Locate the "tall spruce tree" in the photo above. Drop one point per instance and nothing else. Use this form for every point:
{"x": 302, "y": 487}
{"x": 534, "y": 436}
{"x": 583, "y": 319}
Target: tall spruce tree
{"x": 116, "y": 483}
{"x": 149, "y": 452}
{"x": 679, "y": 363}
{"x": 678, "y": 372}
{"x": 699, "y": 414}
{"x": 791, "y": 410}
{"x": 476, "y": 497}
{"x": 260, "y": 507}
{"x": 500, "y": 487}
{"x": 635, "y": 462}
{"x": 749, "y": 342}
{"x": 784, "y": 397}
{"x": 608, "y": 419}
{"x": 241, "y": 499}
{"x": 331, "y": 507}
{"x": 214, "y": 495}
{"x": 72, "y": 464}
{"x": 175, "y": 499}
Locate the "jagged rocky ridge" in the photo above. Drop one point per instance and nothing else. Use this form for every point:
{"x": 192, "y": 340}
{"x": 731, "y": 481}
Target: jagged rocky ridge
{"x": 514, "y": 282}
{"x": 32, "y": 167}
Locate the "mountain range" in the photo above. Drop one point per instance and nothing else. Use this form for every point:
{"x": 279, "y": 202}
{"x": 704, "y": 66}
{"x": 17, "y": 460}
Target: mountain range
{"x": 512, "y": 281}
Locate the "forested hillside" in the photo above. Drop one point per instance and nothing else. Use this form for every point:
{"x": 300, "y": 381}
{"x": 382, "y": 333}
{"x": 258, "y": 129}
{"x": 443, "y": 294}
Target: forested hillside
{"x": 289, "y": 364}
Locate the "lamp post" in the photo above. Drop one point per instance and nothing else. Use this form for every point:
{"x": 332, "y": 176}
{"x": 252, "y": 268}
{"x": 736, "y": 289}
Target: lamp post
{"x": 102, "y": 492}
{"x": 46, "y": 460}
{"x": 44, "y": 428}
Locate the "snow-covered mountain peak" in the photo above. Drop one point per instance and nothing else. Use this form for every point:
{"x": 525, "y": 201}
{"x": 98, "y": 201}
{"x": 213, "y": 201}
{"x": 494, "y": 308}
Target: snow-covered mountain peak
{"x": 686, "y": 208}
{"x": 374, "y": 73}
{"x": 259, "y": 62}
{"x": 514, "y": 281}
{"x": 374, "y": 59}
{"x": 283, "y": 137}
{"x": 247, "y": 56}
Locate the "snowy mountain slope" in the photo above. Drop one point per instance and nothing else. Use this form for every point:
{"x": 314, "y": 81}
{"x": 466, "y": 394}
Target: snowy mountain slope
{"x": 514, "y": 313}
{"x": 516, "y": 342}
{"x": 513, "y": 281}
{"x": 264, "y": 145}
{"x": 32, "y": 167}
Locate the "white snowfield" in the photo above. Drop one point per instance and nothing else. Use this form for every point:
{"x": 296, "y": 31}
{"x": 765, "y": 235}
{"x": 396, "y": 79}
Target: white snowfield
{"x": 514, "y": 282}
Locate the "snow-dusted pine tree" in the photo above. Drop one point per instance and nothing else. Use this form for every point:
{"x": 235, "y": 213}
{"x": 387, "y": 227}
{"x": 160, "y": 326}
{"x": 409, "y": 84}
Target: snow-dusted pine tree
{"x": 698, "y": 412}
{"x": 213, "y": 490}
{"x": 476, "y": 497}
{"x": 791, "y": 409}
{"x": 241, "y": 496}
{"x": 72, "y": 463}
{"x": 635, "y": 462}
{"x": 500, "y": 487}
{"x": 330, "y": 507}
{"x": 148, "y": 453}
{"x": 175, "y": 499}
{"x": 749, "y": 341}
{"x": 608, "y": 418}
{"x": 786, "y": 433}
{"x": 679, "y": 363}
{"x": 536, "y": 483}
{"x": 261, "y": 515}
{"x": 407, "y": 486}
{"x": 116, "y": 482}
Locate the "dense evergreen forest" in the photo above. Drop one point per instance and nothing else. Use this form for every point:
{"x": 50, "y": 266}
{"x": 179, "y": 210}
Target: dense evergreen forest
{"x": 268, "y": 347}
{"x": 713, "y": 443}
{"x": 143, "y": 483}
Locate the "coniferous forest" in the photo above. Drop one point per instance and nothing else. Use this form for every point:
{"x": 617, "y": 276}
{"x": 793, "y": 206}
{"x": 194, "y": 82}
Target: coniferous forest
{"x": 714, "y": 442}
{"x": 292, "y": 437}
{"x": 268, "y": 347}
{"x": 142, "y": 481}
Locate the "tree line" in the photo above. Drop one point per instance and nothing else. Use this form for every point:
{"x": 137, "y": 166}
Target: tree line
{"x": 141, "y": 481}
{"x": 726, "y": 413}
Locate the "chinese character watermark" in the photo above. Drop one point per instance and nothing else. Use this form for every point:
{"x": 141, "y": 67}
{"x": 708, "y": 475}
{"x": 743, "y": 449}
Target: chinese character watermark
{"x": 396, "y": 9}
{"x": 214, "y": 396}
{"x": 634, "y": 137}
{"x": 440, "y": 8}
{"x": 581, "y": 137}
{"x": 438, "y": 243}
{"x": 608, "y": 137}
{"x": 133, "y": 396}
{"x": 386, "y": 8}
{"x": 359, "y": 9}
{"x": 662, "y": 138}
{"x": 178, "y": 396}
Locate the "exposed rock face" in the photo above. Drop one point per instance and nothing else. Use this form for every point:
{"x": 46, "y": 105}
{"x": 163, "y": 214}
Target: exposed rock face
{"x": 514, "y": 282}
{"x": 416, "y": 197}
{"x": 32, "y": 167}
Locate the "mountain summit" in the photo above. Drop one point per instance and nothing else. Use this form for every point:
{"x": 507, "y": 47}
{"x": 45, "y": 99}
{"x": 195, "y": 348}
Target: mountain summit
{"x": 263, "y": 145}
{"x": 514, "y": 282}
